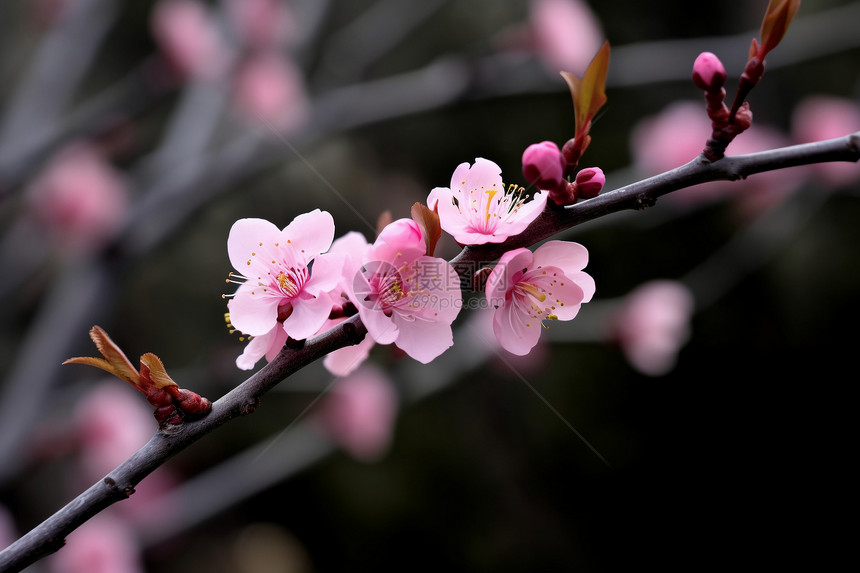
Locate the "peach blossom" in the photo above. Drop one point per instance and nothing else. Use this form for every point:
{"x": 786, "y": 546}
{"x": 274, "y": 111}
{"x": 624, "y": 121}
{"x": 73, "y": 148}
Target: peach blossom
{"x": 825, "y": 117}
{"x": 360, "y": 412}
{"x": 79, "y": 199}
{"x": 566, "y": 32}
{"x": 653, "y": 324}
{"x": 269, "y": 90}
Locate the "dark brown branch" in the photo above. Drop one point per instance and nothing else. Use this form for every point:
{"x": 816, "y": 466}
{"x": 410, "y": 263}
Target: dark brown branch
{"x": 119, "y": 484}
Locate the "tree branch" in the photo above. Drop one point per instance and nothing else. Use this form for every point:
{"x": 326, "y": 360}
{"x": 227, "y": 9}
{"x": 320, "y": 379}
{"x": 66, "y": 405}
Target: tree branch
{"x": 49, "y": 536}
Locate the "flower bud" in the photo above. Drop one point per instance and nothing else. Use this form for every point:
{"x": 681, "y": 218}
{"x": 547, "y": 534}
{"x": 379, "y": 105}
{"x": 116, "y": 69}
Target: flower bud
{"x": 543, "y": 165}
{"x": 589, "y": 182}
{"x": 708, "y": 72}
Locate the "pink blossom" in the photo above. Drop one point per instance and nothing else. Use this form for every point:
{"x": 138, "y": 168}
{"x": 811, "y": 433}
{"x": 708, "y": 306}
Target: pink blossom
{"x": 528, "y": 288}
{"x": 276, "y": 282}
{"x": 79, "y": 199}
{"x": 360, "y": 413}
{"x": 405, "y": 297}
{"x": 262, "y": 24}
{"x": 567, "y": 34}
{"x": 101, "y": 545}
{"x": 187, "y": 35}
{"x": 112, "y": 423}
{"x": 476, "y": 209}
{"x": 825, "y": 117}
{"x": 544, "y": 165}
{"x": 269, "y": 90}
{"x": 653, "y": 324}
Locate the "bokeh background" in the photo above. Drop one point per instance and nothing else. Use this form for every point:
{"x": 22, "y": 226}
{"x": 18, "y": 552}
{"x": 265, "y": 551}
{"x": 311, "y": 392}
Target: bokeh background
{"x": 704, "y": 418}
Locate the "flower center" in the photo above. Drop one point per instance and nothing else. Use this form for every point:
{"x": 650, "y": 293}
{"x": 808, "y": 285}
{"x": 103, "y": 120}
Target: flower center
{"x": 533, "y": 294}
{"x": 489, "y": 207}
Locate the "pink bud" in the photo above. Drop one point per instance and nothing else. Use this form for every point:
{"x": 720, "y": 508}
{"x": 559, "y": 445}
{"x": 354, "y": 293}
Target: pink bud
{"x": 543, "y": 165}
{"x": 589, "y": 182}
{"x": 708, "y": 72}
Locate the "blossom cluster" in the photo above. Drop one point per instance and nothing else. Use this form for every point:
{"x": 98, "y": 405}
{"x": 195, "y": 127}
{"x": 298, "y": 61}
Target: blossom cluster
{"x": 299, "y": 281}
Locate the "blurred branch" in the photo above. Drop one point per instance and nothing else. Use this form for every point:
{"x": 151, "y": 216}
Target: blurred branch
{"x": 119, "y": 484}
{"x": 61, "y": 62}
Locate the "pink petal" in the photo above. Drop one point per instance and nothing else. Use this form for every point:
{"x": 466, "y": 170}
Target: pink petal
{"x": 252, "y": 313}
{"x": 569, "y": 257}
{"x": 501, "y": 279}
{"x": 423, "y": 340}
{"x": 585, "y": 282}
{"x": 307, "y": 317}
{"x": 526, "y": 214}
{"x": 267, "y": 345}
{"x": 245, "y": 238}
{"x": 380, "y": 327}
{"x": 509, "y": 326}
{"x": 310, "y": 233}
{"x": 441, "y": 298}
{"x": 459, "y": 178}
{"x": 483, "y": 174}
{"x": 565, "y": 296}
{"x": 325, "y": 275}
{"x": 344, "y": 361}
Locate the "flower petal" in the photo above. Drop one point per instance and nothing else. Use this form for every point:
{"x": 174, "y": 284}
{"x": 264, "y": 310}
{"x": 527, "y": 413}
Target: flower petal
{"x": 502, "y": 278}
{"x": 569, "y": 257}
{"x": 344, "y": 361}
{"x": 325, "y": 275}
{"x": 244, "y": 240}
{"x": 311, "y": 233}
{"x": 423, "y": 340}
{"x": 267, "y": 345}
{"x": 307, "y": 317}
{"x": 513, "y": 332}
{"x": 380, "y": 327}
{"x": 252, "y": 313}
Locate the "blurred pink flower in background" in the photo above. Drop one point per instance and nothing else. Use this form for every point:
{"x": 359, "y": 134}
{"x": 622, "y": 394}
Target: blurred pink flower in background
{"x": 262, "y": 24}
{"x": 677, "y": 135}
{"x": 269, "y": 91}
{"x": 824, "y": 117}
{"x": 566, "y": 34}
{"x": 187, "y": 35}
{"x": 653, "y": 324}
{"x": 480, "y": 327}
{"x": 113, "y": 421}
{"x": 360, "y": 412}
{"x": 79, "y": 198}
{"x": 101, "y": 545}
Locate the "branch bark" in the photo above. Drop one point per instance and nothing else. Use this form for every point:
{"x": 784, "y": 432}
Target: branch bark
{"x": 49, "y": 536}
